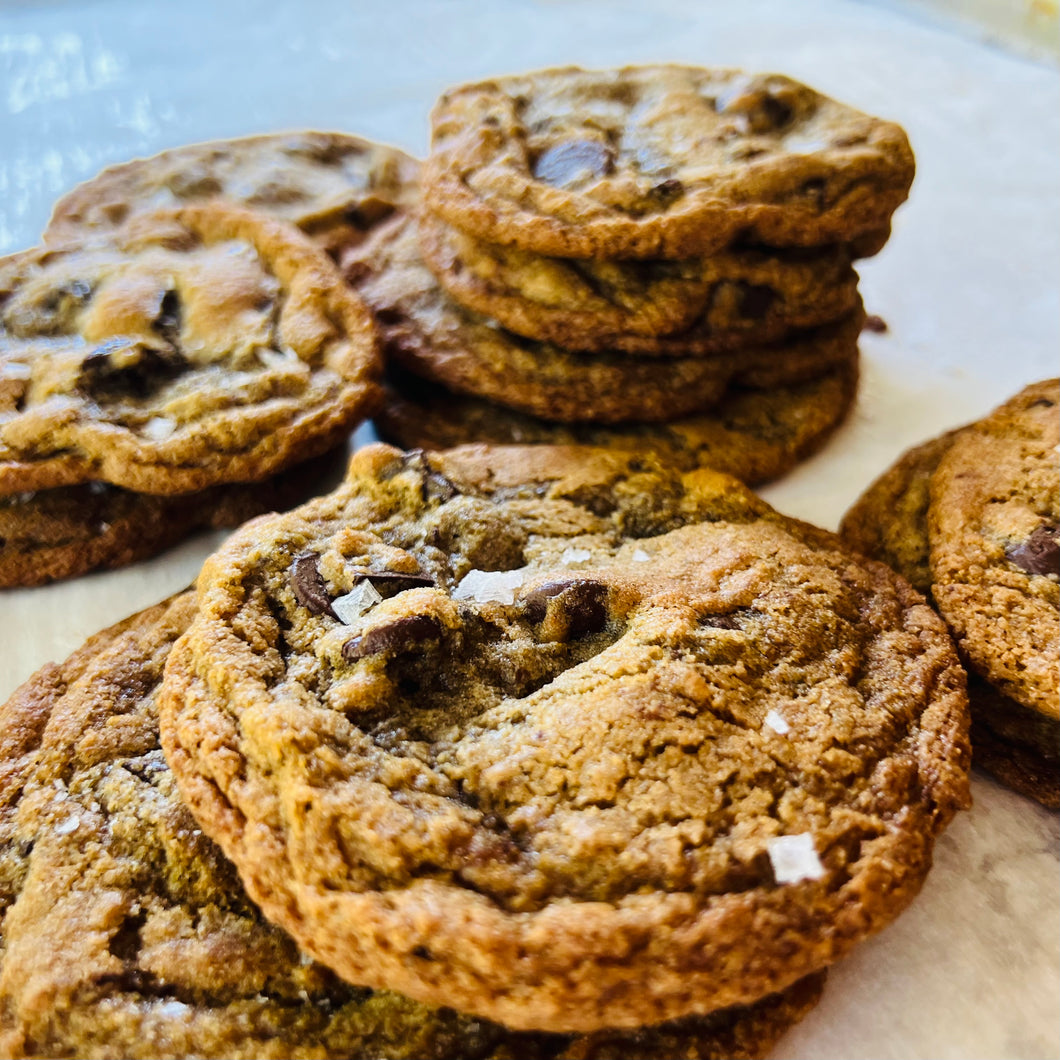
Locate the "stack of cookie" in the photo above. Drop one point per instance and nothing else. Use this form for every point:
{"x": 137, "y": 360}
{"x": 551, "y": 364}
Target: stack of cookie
{"x": 644, "y": 256}
{"x": 176, "y": 352}
{"x": 972, "y": 519}
{"x": 613, "y": 760}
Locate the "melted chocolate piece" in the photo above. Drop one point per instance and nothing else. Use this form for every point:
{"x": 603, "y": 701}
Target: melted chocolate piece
{"x": 719, "y": 622}
{"x": 1040, "y": 553}
{"x": 577, "y": 606}
{"x": 397, "y": 636}
{"x": 435, "y": 485}
{"x": 308, "y": 585}
{"x": 399, "y": 581}
{"x": 121, "y": 366}
{"x": 573, "y": 161}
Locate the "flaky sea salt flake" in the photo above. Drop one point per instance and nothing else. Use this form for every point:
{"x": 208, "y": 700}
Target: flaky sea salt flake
{"x": 777, "y": 723}
{"x": 640, "y": 556}
{"x": 159, "y": 428}
{"x": 485, "y": 586}
{"x": 69, "y": 825}
{"x": 794, "y": 858}
{"x": 570, "y": 556}
{"x": 361, "y": 598}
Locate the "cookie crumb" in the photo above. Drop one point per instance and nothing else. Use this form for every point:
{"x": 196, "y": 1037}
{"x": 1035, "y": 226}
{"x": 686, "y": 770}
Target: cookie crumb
{"x": 794, "y": 858}
{"x": 875, "y": 323}
{"x": 573, "y": 555}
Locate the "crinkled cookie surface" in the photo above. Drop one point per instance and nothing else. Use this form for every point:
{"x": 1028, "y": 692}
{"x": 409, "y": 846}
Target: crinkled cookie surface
{"x": 532, "y": 731}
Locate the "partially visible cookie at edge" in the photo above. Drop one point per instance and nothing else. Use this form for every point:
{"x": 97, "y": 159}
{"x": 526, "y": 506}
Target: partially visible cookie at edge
{"x": 334, "y": 186}
{"x": 70, "y": 530}
{"x": 195, "y": 347}
{"x": 125, "y": 933}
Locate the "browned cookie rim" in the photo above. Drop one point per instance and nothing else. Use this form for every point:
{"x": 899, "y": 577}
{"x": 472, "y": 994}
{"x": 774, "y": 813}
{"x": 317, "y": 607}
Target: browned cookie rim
{"x": 640, "y": 326}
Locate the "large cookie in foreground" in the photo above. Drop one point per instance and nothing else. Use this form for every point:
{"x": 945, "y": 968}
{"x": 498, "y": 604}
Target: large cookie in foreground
{"x": 1015, "y": 735}
{"x": 334, "y": 186}
{"x": 563, "y": 737}
{"x": 199, "y": 346}
{"x": 756, "y": 435}
{"x": 125, "y": 932}
{"x": 660, "y": 162}
{"x": 429, "y": 334}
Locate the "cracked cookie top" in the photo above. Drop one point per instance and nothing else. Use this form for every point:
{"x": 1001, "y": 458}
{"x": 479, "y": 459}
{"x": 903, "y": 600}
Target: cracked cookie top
{"x": 126, "y": 933}
{"x": 563, "y": 737}
{"x": 335, "y": 187}
{"x": 196, "y": 346}
{"x": 660, "y": 162}
{"x": 994, "y": 532}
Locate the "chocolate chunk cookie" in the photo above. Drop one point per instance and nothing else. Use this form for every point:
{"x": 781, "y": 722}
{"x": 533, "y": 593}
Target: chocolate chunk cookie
{"x": 722, "y": 302}
{"x": 334, "y": 186}
{"x": 64, "y": 532}
{"x": 994, "y": 528}
{"x": 756, "y": 435}
{"x": 660, "y": 162}
{"x": 563, "y": 737}
{"x": 429, "y": 334}
{"x": 999, "y": 472}
{"x": 126, "y": 933}
{"x": 199, "y": 346}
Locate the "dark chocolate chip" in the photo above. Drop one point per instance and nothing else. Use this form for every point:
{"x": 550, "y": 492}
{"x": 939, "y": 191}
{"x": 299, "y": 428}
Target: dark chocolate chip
{"x": 167, "y": 323}
{"x": 572, "y": 161}
{"x": 1040, "y": 553}
{"x": 121, "y": 366}
{"x": 668, "y": 191}
{"x": 756, "y": 300}
{"x": 435, "y": 486}
{"x": 579, "y": 603}
{"x": 719, "y": 622}
{"x": 308, "y": 586}
{"x": 397, "y": 636}
{"x": 398, "y": 580}
{"x": 762, "y": 110}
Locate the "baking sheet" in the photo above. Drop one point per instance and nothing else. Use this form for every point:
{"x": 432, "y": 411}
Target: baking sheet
{"x": 968, "y": 286}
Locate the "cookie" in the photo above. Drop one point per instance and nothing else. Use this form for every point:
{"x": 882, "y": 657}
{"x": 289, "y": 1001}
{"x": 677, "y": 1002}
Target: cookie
{"x": 660, "y": 162}
{"x": 722, "y": 302}
{"x": 200, "y": 346}
{"x": 562, "y": 737}
{"x": 64, "y": 532}
{"x": 334, "y": 186}
{"x": 1014, "y": 737}
{"x": 126, "y": 933}
{"x": 994, "y": 529}
{"x": 755, "y": 435}
{"x": 426, "y": 332}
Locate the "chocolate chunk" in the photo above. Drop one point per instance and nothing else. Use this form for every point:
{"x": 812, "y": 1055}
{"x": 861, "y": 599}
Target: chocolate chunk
{"x": 577, "y": 606}
{"x": 719, "y": 622}
{"x": 755, "y": 300}
{"x": 121, "y": 366}
{"x": 668, "y": 191}
{"x": 761, "y": 110}
{"x": 1040, "y": 553}
{"x": 435, "y": 485}
{"x": 399, "y": 580}
{"x": 573, "y": 161}
{"x": 308, "y": 586}
{"x": 167, "y": 323}
{"x": 397, "y": 636}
